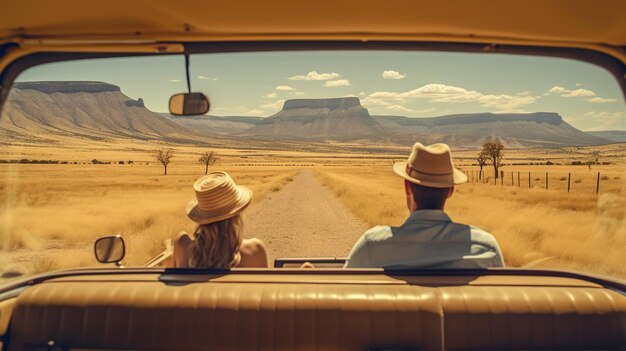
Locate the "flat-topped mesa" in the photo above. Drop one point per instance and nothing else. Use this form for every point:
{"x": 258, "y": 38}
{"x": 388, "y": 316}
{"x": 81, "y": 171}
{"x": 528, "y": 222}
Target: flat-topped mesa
{"x": 331, "y": 104}
{"x": 68, "y": 87}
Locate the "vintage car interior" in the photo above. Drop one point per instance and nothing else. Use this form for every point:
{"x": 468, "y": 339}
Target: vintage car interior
{"x": 328, "y": 308}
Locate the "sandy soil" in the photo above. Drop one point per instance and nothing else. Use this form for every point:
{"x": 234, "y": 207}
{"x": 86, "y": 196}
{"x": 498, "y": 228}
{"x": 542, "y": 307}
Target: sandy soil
{"x": 303, "y": 219}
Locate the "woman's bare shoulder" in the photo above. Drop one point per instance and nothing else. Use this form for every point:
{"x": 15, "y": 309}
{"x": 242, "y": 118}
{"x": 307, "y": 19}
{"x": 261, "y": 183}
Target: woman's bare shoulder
{"x": 253, "y": 253}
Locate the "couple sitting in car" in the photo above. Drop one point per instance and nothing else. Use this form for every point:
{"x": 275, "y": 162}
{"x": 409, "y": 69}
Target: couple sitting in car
{"x": 428, "y": 239}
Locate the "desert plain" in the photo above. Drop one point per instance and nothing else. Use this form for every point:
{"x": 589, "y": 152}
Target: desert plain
{"x": 309, "y": 200}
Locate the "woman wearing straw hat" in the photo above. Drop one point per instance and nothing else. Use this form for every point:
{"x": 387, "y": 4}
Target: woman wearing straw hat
{"x": 218, "y": 242}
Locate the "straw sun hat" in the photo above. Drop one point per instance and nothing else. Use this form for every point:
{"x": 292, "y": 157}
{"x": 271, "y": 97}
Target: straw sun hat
{"x": 430, "y": 166}
{"x": 217, "y": 198}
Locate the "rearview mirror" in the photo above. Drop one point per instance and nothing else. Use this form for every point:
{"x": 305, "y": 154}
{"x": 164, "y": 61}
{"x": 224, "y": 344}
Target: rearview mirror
{"x": 110, "y": 249}
{"x": 189, "y": 104}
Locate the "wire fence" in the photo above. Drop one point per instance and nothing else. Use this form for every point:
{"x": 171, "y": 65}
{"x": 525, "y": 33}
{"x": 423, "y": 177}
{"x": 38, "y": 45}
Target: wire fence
{"x": 568, "y": 182}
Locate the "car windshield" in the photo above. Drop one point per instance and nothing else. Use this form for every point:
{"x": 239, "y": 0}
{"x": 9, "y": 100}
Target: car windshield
{"x": 90, "y": 149}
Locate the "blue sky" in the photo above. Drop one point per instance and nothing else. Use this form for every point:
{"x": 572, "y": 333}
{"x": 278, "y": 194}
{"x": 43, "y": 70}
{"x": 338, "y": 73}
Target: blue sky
{"x": 414, "y": 84}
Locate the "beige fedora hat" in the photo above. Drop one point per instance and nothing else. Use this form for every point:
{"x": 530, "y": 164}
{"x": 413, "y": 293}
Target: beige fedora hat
{"x": 430, "y": 166}
{"x": 217, "y": 198}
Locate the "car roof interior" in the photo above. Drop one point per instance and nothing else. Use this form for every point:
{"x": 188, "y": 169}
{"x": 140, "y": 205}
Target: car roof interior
{"x": 554, "y": 21}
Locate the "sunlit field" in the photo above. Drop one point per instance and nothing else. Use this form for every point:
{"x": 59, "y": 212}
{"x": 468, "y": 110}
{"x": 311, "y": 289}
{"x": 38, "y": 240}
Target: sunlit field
{"x": 50, "y": 214}
{"x": 534, "y": 227}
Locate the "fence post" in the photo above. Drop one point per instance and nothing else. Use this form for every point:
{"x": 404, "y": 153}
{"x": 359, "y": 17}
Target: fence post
{"x": 598, "y": 184}
{"x": 569, "y": 177}
{"x": 546, "y": 180}
{"x": 501, "y": 177}
{"x": 518, "y": 181}
{"x": 528, "y": 180}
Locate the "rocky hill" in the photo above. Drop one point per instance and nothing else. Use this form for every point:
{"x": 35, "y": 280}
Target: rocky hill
{"x": 93, "y": 110}
{"x": 38, "y": 111}
{"x": 339, "y": 118}
{"x": 214, "y": 125}
{"x": 514, "y": 130}
{"x": 346, "y": 119}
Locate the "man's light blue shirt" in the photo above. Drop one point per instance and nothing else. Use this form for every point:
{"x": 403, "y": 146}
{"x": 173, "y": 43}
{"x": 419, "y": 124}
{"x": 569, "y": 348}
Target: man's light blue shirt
{"x": 428, "y": 239}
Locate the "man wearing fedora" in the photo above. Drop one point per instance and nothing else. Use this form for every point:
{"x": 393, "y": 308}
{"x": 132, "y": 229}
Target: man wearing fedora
{"x": 428, "y": 239}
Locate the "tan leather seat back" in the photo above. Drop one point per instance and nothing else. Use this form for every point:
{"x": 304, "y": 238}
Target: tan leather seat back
{"x": 533, "y": 318}
{"x": 226, "y": 317}
{"x": 333, "y": 312}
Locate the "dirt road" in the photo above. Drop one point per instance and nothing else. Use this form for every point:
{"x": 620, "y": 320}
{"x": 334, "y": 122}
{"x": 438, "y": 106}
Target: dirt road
{"x": 303, "y": 219}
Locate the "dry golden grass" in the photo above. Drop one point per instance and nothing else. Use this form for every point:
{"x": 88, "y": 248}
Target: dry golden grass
{"x": 51, "y": 214}
{"x": 576, "y": 230}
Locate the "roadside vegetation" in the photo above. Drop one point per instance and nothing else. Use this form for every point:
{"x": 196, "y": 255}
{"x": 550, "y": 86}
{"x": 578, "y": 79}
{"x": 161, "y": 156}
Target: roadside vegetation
{"x": 50, "y": 217}
{"x": 537, "y": 227}
{"x": 50, "y": 214}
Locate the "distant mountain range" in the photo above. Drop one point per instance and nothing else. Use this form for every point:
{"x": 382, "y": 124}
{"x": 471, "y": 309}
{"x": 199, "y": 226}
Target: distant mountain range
{"x": 214, "y": 125}
{"x": 97, "y": 110}
{"x": 93, "y": 110}
{"x": 542, "y": 129}
{"x": 342, "y": 118}
{"x": 618, "y": 136}
{"x": 345, "y": 119}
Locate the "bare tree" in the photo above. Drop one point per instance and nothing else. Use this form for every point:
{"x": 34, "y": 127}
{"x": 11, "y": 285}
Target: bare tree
{"x": 493, "y": 151}
{"x": 482, "y": 160}
{"x": 596, "y": 156}
{"x": 164, "y": 156}
{"x": 208, "y": 158}
{"x": 593, "y": 160}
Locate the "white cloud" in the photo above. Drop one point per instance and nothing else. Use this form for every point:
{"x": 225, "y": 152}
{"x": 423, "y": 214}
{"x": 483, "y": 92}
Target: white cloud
{"x": 426, "y": 110}
{"x": 398, "y": 108}
{"x": 337, "y": 83}
{"x": 362, "y": 93}
{"x": 206, "y": 78}
{"x": 375, "y": 101}
{"x": 602, "y": 120}
{"x": 594, "y": 114}
{"x": 579, "y": 93}
{"x": 254, "y": 112}
{"x": 579, "y": 84}
{"x": 558, "y": 90}
{"x": 276, "y": 105}
{"x": 451, "y": 94}
{"x": 570, "y": 93}
{"x": 393, "y": 75}
{"x": 601, "y": 100}
{"x": 285, "y": 88}
{"x": 270, "y": 96}
{"x": 313, "y": 75}
{"x": 175, "y": 80}
{"x": 297, "y": 93}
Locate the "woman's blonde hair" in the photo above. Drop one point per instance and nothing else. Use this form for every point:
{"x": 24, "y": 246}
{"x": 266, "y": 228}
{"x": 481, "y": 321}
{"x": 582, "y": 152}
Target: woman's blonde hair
{"x": 216, "y": 245}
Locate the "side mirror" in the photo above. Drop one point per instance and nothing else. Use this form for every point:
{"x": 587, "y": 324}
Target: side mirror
{"x": 189, "y": 104}
{"x": 110, "y": 249}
